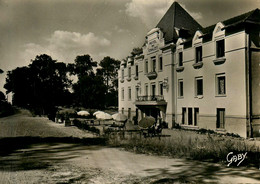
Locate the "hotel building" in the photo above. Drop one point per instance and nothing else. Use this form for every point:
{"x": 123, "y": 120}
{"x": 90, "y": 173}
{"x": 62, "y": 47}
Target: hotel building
{"x": 196, "y": 77}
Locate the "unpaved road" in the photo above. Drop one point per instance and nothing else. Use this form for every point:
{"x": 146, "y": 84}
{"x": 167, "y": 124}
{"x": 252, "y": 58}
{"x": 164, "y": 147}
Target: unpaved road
{"x": 75, "y": 163}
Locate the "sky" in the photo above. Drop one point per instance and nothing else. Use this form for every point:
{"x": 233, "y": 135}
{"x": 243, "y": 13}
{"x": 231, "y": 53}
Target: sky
{"x": 65, "y": 29}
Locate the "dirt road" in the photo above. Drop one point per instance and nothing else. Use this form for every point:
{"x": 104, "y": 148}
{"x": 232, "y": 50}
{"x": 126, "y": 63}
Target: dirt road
{"x": 75, "y": 163}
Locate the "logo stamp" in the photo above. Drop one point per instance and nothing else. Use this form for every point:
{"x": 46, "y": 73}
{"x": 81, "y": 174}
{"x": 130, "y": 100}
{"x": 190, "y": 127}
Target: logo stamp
{"x": 234, "y": 158}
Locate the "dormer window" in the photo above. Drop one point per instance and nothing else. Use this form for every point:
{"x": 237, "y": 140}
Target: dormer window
{"x": 136, "y": 70}
{"x": 198, "y": 58}
{"x": 180, "y": 66}
{"x": 160, "y": 63}
{"x": 122, "y": 74}
{"x": 220, "y": 48}
{"x": 199, "y": 54}
{"x": 179, "y": 55}
{"x": 129, "y": 72}
{"x": 153, "y": 64}
{"x": 220, "y": 52}
{"x": 180, "y": 58}
{"x": 146, "y": 66}
{"x": 152, "y": 74}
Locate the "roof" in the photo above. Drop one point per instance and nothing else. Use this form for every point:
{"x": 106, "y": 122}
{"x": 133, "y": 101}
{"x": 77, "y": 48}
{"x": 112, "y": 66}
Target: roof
{"x": 249, "y": 17}
{"x": 177, "y": 17}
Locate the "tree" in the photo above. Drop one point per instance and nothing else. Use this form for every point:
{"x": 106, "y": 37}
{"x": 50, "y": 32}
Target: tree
{"x": 2, "y": 96}
{"x": 40, "y": 86}
{"x": 1, "y": 71}
{"x": 83, "y": 66}
{"x": 89, "y": 91}
{"x": 108, "y": 70}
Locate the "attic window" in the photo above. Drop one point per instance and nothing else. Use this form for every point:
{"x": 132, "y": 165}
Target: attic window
{"x": 198, "y": 54}
{"x": 180, "y": 59}
{"x": 220, "y": 48}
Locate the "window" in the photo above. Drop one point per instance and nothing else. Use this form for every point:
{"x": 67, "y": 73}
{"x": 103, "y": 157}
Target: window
{"x": 180, "y": 91}
{"x": 220, "y": 48}
{"x": 196, "y": 116}
{"x": 221, "y": 84}
{"x": 190, "y": 116}
{"x": 198, "y": 54}
{"x": 160, "y": 63}
{"x": 129, "y": 72}
{"x": 161, "y": 88}
{"x": 136, "y": 92}
{"x": 129, "y": 113}
{"x": 220, "y": 118}
{"x": 198, "y": 86}
{"x": 146, "y": 89}
{"x": 180, "y": 59}
{"x": 146, "y": 66}
{"x": 153, "y": 89}
{"x": 183, "y": 115}
{"x": 153, "y": 64}
{"x": 123, "y": 110}
{"x": 129, "y": 93}
{"x": 123, "y": 93}
{"x": 136, "y": 70}
{"x": 122, "y": 74}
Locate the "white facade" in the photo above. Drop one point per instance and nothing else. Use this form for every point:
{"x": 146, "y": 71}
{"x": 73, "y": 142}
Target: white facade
{"x": 208, "y": 80}
{"x": 152, "y": 87}
{"x": 232, "y": 70}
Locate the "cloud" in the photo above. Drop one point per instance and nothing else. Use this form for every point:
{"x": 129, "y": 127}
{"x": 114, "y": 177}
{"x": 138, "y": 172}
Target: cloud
{"x": 150, "y": 12}
{"x": 120, "y": 30}
{"x": 65, "y": 46}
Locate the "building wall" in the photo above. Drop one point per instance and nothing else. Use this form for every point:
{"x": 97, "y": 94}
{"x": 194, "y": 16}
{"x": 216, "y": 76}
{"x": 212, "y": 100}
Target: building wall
{"x": 234, "y": 69}
{"x": 164, "y": 75}
{"x": 255, "y": 69}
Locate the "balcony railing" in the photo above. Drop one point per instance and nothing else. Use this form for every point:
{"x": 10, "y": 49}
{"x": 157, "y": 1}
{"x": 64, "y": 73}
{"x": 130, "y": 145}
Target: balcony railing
{"x": 150, "y": 98}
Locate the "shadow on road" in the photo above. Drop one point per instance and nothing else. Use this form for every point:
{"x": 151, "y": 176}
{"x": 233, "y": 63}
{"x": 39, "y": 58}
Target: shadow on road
{"x": 202, "y": 172}
{"x": 29, "y": 153}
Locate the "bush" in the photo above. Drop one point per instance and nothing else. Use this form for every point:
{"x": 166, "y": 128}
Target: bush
{"x": 84, "y": 126}
{"x": 6, "y": 109}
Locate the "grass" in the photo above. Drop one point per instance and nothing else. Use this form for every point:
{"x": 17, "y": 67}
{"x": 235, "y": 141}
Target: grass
{"x": 186, "y": 144}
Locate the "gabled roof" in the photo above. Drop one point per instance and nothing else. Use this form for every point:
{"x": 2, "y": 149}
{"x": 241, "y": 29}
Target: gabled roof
{"x": 240, "y": 20}
{"x": 253, "y": 15}
{"x": 177, "y": 17}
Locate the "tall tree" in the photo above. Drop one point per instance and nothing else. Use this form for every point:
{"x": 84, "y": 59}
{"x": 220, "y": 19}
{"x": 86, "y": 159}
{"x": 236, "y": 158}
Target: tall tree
{"x": 40, "y": 86}
{"x": 83, "y": 66}
{"x": 108, "y": 70}
{"x": 109, "y": 67}
{"x": 89, "y": 91}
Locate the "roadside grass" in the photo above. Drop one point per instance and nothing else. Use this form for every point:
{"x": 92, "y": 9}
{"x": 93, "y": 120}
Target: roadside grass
{"x": 190, "y": 145}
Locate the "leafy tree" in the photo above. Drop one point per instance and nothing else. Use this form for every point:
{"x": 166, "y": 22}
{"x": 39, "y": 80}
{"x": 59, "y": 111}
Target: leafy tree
{"x": 108, "y": 70}
{"x": 109, "y": 67}
{"x": 89, "y": 91}
{"x": 83, "y": 66}
{"x": 40, "y": 86}
{"x": 1, "y": 71}
{"x": 6, "y": 108}
{"x": 2, "y": 96}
